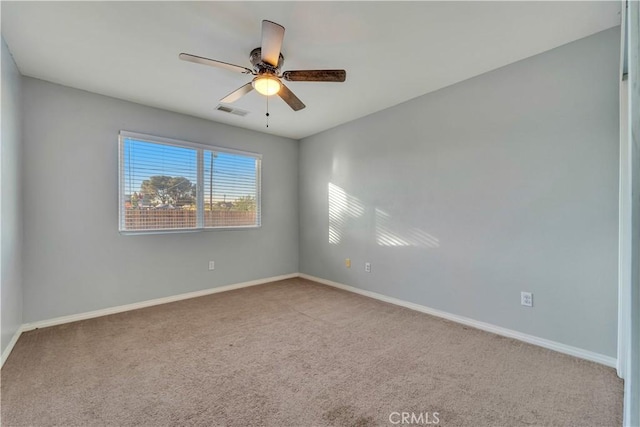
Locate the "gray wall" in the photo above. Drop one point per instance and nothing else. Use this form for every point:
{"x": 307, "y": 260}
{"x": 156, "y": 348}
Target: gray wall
{"x": 632, "y": 371}
{"x": 11, "y": 215}
{"x": 77, "y": 260}
{"x": 464, "y": 197}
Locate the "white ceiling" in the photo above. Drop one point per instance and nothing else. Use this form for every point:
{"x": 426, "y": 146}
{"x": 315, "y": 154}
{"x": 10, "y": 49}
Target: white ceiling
{"x": 392, "y": 51}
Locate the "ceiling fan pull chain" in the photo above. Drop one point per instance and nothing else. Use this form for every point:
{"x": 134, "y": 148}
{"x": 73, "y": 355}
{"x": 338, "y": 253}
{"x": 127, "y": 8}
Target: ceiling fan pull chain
{"x": 267, "y": 110}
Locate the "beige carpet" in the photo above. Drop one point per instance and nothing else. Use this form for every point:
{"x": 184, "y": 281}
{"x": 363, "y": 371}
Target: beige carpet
{"x": 295, "y": 353}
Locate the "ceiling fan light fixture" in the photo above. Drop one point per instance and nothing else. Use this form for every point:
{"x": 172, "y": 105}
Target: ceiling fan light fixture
{"x": 266, "y": 85}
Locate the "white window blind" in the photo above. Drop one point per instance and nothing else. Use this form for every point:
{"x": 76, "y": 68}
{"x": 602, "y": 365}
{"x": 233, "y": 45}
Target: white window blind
{"x": 169, "y": 185}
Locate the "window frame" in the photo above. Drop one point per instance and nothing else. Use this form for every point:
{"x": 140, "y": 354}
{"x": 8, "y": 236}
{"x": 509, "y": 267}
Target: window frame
{"x": 200, "y": 149}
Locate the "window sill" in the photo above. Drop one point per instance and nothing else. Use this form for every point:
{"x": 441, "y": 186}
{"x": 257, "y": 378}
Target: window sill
{"x": 186, "y": 230}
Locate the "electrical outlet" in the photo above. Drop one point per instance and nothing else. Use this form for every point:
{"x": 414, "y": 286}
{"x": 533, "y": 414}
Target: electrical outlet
{"x": 526, "y": 299}
{"x": 212, "y": 265}
{"x": 367, "y": 267}
{"x": 347, "y": 262}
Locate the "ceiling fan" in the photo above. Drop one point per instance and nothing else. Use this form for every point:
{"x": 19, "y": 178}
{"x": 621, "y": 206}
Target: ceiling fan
{"x": 267, "y": 61}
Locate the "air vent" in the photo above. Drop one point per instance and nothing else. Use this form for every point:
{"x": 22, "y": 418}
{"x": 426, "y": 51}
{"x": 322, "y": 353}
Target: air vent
{"x": 231, "y": 110}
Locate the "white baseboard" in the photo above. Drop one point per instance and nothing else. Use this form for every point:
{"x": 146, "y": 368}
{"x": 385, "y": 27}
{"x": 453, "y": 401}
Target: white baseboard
{"x": 12, "y": 343}
{"x": 498, "y": 330}
{"x": 552, "y": 345}
{"x": 149, "y": 303}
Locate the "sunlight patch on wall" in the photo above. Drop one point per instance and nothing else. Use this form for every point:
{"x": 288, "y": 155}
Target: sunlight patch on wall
{"x": 342, "y": 206}
{"x": 389, "y": 233}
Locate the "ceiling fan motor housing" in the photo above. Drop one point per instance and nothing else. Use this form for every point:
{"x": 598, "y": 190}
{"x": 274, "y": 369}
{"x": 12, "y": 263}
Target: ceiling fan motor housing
{"x": 261, "y": 67}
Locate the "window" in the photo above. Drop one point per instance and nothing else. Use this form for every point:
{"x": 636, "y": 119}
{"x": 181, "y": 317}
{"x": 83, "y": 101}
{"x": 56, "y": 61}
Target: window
{"x": 168, "y": 185}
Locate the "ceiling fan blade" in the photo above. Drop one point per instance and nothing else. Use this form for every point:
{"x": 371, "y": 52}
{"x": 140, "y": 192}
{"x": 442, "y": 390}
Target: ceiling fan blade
{"x": 290, "y": 98}
{"x": 315, "y": 75}
{"x": 272, "y": 35}
{"x": 237, "y": 94}
{"x": 214, "y": 63}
